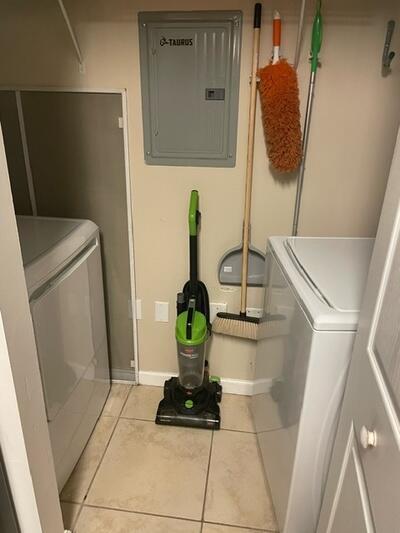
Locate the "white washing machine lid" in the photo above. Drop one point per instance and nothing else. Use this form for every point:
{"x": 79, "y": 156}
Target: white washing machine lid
{"x": 47, "y": 243}
{"x": 329, "y": 276}
{"x": 337, "y": 268}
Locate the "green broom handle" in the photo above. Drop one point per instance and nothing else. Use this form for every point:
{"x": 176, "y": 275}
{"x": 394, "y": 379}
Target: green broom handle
{"x": 316, "y": 39}
{"x": 316, "y": 42}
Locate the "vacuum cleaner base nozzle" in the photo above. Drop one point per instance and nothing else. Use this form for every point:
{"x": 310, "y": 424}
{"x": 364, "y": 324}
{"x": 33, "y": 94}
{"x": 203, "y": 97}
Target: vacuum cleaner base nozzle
{"x": 197, "y": 408}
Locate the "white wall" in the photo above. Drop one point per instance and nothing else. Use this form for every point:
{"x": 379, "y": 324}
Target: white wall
{"x": 353, "y": 132}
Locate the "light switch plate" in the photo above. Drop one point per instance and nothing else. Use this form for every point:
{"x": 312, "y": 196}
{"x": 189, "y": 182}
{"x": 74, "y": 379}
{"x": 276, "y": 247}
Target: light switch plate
{"x": 161, "y": 311}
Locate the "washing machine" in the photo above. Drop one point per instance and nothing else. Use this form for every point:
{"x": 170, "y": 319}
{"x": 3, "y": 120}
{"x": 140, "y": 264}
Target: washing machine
{"x": 314, "y": 288}
{"x": 63, "y": 272}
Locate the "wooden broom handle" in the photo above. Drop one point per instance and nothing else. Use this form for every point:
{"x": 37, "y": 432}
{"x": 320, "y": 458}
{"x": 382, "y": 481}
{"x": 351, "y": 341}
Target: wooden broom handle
{"x": 250, "y": 154}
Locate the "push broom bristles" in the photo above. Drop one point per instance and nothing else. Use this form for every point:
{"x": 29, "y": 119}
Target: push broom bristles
{"x": 236, "y": 325}
{"x": 280, "y": 106}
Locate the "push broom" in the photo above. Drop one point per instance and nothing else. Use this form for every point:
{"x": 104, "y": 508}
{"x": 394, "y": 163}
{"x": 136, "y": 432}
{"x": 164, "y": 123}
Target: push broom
{"x": 241, "y": 325}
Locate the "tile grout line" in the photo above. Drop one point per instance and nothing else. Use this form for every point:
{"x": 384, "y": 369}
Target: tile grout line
{"x": 105, "y": 449}
{"x": 77, "y": 517}
{"x": 267, "y": 488}
{"x": 82, "y": 503}
{"x": 124, "y": 402}
{"x": 201, "y": 521}
{"x": 238, "y": 431}
{"x": 207, "y": 477}
{"x": 245, "y": 528}
{"x": 221, "y": 429}
{"x": 130, "y": 511}
{"x": 172, "y": 517}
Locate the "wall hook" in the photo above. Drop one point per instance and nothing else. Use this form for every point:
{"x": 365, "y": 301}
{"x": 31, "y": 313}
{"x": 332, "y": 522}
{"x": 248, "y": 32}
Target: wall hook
{"x": 387, "y": 54}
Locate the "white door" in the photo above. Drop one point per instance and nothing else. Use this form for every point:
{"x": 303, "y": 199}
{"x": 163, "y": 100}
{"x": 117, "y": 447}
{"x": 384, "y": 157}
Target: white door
{"x": 24, "y": 436}
{"x": 363, "y": 488}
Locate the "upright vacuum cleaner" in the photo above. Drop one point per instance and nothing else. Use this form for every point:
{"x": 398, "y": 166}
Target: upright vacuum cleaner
{"x": 192, "y": 398}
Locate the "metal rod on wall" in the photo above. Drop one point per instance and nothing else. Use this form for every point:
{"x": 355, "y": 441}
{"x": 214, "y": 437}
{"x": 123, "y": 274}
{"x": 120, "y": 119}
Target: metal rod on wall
{"x": 25, "y": 151}
{"x": 72, "y": 33}
{"x": 388, "y": 55}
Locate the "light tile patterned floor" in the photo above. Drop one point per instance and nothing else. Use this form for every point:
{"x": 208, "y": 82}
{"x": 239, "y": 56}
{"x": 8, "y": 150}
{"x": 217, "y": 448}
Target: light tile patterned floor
{"x": 135, "y": 476}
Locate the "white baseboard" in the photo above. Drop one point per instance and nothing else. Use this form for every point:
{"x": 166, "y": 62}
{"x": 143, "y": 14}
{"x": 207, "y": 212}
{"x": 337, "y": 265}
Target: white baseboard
{"x": 123, "y": 381}
{"x": 154, "y": 378}
{"x": 119, "y": 375}
{"x": 237, "y": 386}
{"x": 232, "y": 386}
{"x": 262, "y": 385}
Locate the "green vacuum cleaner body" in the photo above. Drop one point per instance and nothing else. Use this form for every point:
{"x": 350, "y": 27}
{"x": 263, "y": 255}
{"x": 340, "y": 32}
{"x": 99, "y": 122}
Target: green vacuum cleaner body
{"x": 192, "y": 398}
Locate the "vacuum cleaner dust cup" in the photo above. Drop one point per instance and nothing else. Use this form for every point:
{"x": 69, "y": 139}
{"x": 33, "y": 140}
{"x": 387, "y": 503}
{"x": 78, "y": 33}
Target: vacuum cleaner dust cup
{"x": 191, "y": 336}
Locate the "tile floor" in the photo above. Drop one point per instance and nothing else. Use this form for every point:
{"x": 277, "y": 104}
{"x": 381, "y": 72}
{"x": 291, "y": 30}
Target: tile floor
{"x": 135, "y": 476}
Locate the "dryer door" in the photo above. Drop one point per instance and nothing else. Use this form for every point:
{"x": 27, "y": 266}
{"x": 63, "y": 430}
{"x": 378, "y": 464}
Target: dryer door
{"x": 68, "y": 325}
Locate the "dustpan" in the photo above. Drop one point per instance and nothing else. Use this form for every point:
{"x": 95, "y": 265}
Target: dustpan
{"x": 230, "y": 267}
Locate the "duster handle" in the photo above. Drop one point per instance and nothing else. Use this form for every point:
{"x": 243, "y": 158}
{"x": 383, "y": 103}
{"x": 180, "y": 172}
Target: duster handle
{"x": 276, "y": 37}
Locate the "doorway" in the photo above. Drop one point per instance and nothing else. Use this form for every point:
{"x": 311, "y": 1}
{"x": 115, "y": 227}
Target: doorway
{"x": 68, "y": 157}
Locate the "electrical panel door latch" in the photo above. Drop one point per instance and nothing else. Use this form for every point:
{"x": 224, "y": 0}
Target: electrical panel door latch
{"x": 215, "y": 94}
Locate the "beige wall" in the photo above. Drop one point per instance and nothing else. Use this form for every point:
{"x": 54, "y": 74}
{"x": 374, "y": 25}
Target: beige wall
{"x": 352, "y": 139}
{"x": 15, "y": 155}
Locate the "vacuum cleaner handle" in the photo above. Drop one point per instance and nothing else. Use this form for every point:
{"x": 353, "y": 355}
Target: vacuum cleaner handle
{"x": 190, "y": 318}
{"x": 194, "y": 218}
{"x": 193, "y": 213}
{"x": 180, "y": 303}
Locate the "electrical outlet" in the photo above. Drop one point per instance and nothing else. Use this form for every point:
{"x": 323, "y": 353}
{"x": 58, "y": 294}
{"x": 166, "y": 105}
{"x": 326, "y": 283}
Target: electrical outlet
{"x": 161, "y": 311}
{"x": 256, "y": 312}
{"x": 217, "y": 308}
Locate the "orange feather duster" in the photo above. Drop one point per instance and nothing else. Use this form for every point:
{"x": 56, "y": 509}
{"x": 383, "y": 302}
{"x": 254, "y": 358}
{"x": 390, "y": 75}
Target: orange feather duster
{"x": 280, "y": 107}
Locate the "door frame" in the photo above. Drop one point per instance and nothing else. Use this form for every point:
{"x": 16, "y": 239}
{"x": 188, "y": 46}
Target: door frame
{"x": 128, "y": 188}
{"x": 378, "y": 276}
{"x": 24, "y": 435}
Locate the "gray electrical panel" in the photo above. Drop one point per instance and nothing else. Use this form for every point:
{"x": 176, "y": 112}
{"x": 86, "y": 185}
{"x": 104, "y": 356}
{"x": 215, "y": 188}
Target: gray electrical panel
{"x": 190, "y": 64}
